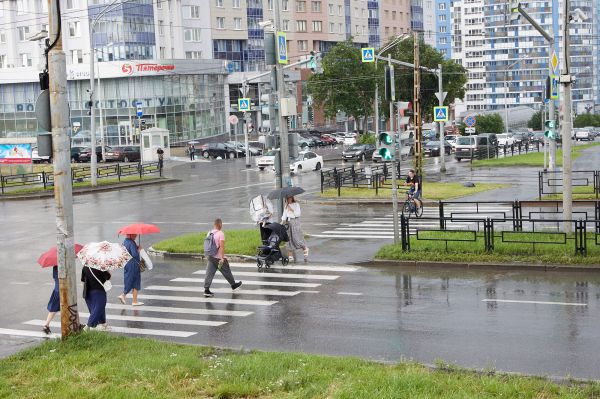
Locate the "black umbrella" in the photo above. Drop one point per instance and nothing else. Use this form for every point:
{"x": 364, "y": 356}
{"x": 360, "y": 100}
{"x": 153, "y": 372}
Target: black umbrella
{"x": 278, "y": 229}
{"x": 285, "y": 192}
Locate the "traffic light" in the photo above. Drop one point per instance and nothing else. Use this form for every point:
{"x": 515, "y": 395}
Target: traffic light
{"x": 386, "y": 146}
{"x": 390, "y": 90}
{"x": 513, "y": 8}
{"x": 312, "y": 63}
{"x": 549, "y": 131}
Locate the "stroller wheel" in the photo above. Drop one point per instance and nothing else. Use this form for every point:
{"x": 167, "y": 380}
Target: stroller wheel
{"x": 259, "y": 263}
{"x": 268, "y": 264}
{"x": 285, "y": 261}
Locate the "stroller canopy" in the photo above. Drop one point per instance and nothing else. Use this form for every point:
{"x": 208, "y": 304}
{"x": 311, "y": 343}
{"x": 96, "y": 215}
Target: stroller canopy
{"x": 278, "y": 229}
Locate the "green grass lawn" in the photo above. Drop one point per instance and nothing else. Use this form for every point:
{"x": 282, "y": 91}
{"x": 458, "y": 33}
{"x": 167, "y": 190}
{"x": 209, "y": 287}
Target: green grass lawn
{"x": 518, "y": 247}
{"x": 579, "y": 193}
{"x": 99, "y": 365}
{"x": 535, "y": 159}
{"x": 434, "y": 191}
{"x": 239, "y": 242}
{"x": 101, "y": 182}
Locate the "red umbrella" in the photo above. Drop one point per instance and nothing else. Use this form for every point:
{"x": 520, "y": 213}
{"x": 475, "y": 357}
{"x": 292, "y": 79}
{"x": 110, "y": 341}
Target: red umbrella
{"x": 139, "y": 229}
{"x": 50, "y": 257}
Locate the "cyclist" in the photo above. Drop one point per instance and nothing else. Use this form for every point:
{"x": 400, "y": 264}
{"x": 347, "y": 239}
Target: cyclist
{"x": 416, "y": 187}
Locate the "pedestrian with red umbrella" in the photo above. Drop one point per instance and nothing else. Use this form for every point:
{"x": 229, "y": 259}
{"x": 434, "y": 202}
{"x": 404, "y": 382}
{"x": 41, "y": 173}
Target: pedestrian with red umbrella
{"x": 133, "y": 272}
{"x": 50, "y": 259}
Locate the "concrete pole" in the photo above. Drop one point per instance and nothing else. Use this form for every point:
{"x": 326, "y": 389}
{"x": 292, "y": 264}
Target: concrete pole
{"x": 506, "y": 100}
{"x": 63, "y": 189}
{"x": 394, "y": 175}
{"x": 417, "y": 107}
{"x": 247, "y": 119}
{"x": 94, "y": 158}
{"x": 441, "y": 124}
{"x": 551, "y": 105}
{"x": 567, "y": 124}
{"x": 102, "y": 138}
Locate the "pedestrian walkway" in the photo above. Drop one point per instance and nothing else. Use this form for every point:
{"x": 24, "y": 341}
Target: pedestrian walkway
{"x": 383, "y": 227}
{"x": 176, "y": 307}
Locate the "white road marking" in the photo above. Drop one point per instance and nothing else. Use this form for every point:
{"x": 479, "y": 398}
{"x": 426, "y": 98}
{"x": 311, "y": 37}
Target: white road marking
{"x": 216, "y": 191}
{"x": 126, "y": 330}
{"x": 161, "y": 320}
{"x": 207, "y": 300}
{"x": 323, "y": 268}
{"x": 22, "y": 283}
{"x": 248, "y": 282}
{"x": 309, "y": 292}
{"x": 28, "y": 333}
{"x": 281, "y": 275}
{"x": 349, "y": 236}
{"x": 223, "y": 290}
{"x": 167, "y": 309}
{"x": 350, "y": 293}
{"x": 536, "y": 302}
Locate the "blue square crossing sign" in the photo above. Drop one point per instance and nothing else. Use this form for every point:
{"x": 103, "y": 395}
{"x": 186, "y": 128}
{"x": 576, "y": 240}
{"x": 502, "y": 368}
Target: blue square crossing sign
{"x": 282, "y": 56}
{"x": 368, "y": 54}
{"x": 244, "y": 104}
{"x": 440, "y": 114}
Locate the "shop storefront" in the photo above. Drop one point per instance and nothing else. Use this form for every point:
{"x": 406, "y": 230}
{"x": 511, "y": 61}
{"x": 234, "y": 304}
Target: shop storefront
{"x": 186, "y": 97}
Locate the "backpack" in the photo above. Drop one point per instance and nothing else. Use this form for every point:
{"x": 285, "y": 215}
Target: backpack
{"x": 210, "y": 246}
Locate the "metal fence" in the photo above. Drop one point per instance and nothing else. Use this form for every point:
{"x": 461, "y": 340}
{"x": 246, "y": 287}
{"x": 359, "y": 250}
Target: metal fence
{"x": 364, "y": 177}
{"x": 551, "y": 182}
{"x": 80, "y": 174}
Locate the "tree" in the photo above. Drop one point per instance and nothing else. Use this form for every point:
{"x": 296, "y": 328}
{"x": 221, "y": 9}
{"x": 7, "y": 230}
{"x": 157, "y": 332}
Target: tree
{"x": 585, "y": 120}
{"x": 346, "y": 84}
{"x": 535, "y": 122}
{"x": 491, "y": 123}
{"x": 454, "y": 76}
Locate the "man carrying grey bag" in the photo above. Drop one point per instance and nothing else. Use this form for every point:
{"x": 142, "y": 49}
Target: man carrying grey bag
{"x": 214, "y": 250}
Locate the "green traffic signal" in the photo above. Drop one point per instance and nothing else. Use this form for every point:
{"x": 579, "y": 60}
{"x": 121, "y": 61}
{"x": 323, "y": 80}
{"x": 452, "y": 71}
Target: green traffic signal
{"x": 386, "y": 154}
{"x": 385, "y": 138}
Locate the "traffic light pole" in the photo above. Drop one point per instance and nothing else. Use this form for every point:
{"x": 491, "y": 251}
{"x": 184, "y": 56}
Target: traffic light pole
{"x": 566, "y": 80}
{"x": 441, "y": 124}
{"x": 395, "y": 152}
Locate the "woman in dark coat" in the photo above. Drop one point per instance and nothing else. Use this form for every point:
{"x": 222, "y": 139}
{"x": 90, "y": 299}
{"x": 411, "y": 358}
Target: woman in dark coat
{"x": 95, "y": 296}
{"x": 53, "y": 303}
{"x": 133, "y": 275}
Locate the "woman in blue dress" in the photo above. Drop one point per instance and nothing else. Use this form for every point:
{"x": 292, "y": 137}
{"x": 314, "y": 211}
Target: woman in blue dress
{"x": 53, "y": 303}
{"x": 95, "y": 297}
{"x": 133, "y": 275}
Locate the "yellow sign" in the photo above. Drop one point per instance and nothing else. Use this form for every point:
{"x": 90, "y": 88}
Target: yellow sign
{"x": 554, "y": 62}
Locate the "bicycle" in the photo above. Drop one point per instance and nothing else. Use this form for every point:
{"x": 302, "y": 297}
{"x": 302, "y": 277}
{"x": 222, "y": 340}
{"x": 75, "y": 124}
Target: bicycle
{"x": 410, "y": 207}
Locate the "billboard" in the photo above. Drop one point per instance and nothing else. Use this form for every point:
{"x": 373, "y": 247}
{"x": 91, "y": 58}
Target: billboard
{"x": 15, "y": 153}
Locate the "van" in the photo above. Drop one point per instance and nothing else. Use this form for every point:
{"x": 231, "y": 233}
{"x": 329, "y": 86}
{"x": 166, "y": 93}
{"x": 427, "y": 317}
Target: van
{"x": 465, "y": 148}
{"x": 487, "y": 145}
{"x": 481, "y": 146}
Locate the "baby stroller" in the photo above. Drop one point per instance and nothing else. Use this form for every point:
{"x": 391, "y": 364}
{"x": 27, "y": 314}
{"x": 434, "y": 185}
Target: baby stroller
{"x": 272, "y": 234}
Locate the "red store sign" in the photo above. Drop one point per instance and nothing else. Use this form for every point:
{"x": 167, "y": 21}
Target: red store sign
{"x": 129, "y": 69}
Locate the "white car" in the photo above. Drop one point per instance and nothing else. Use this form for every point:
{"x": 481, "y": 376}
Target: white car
{"x": 267, "y": 160}
{"x": 349, "y": 138}
{"x": 307, "y": 160}
{"x": 505, "y": 140}
{"x": 36, "y": 158}
{"x": 583, "y": 134}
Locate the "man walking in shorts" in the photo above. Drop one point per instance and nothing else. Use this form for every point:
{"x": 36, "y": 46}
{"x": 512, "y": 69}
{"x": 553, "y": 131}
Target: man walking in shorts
{"x": 214, "y": 250}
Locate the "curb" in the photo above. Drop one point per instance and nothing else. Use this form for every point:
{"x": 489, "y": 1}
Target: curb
{"x": 86, "y": 190}
{"x": 177, "y": 255}
{"x": 360, "y": 201}
{"x": 488, "y": 266}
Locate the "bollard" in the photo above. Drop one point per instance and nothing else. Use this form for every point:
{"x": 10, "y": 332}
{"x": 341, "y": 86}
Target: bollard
{"x": 442, "y": 220}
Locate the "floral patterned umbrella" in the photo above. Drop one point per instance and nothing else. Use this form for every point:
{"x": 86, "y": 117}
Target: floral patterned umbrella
{"x": 104, "y": 255}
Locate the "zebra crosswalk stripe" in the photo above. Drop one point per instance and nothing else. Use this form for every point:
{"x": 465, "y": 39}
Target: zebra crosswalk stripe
{"x": 27, "y": 333}
{"x": 110, "y": 317}
{"x": 232, "y": 301}
{"x": 248, "y": 282}
{"x": 167, "y": 309}
{"x": 317, "y": 268}
{"x": 281, "y": 275}
{"x": 222, "y": 290}
{"x": 126, "y": 330}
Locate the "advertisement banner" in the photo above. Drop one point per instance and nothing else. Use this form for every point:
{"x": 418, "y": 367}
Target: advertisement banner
{"x": 15, "y": 153}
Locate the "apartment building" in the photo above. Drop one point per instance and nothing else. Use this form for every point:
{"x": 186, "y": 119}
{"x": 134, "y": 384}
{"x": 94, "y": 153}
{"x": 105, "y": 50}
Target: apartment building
{"x": 395, "y": 18}
{"x": 443, "y": 27}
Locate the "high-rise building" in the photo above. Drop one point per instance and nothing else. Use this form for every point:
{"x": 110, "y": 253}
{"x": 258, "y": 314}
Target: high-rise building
{"x": 443, "y": 27}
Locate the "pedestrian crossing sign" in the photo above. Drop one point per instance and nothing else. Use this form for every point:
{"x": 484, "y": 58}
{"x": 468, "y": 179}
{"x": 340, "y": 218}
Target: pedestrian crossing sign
{"x": 440, "y": 114}
{"x": 282, "y": 56}
{"x": 244, "y": 104}
{"x": 368, "y": 54}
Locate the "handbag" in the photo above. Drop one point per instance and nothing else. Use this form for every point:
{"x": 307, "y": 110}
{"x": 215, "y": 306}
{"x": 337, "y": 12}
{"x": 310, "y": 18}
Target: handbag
{"x": 142, "y": 264}
{"x": 107, "y": 285}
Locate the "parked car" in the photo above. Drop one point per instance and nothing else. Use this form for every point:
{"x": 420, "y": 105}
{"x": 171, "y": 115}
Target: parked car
{"x": 505, "y": 140}
{"x": 305, "y": 143}
{"x": 128, "y": 153}
{"x": 329, "y": 140}
{"x": 432, "y": 148}
{"x": 429, "y": 136}
{"x": 583, "y": 135}
{"x": 85, "y": 155}
{"x": 466, "y": 147}
{"x": 36, "y": 158}
{"x": 254, "y": 151}
{"x": 267, "y": 160}
{"x": 75, "y": 151}
{"x": 520, "y": 138}
{"x": 339, "y": 137}
{"x": 307, "y": 160}
{"x": 218, "y": 150}
{"x": 349, "y": 138}
{"x": 359, "y": 152}
{"x": 538, "y": 137}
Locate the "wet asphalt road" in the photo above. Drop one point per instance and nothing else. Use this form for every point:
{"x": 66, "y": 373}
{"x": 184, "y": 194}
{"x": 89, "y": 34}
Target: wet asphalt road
{"x": 384, "y": 313}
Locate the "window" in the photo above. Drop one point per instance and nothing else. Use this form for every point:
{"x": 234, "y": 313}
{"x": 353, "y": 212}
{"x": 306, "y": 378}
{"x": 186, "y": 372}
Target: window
{"x": 195, "y": 11}
{"x": 2, "y": 61}
{"x": 300, "y": 26}
{"x": 442, "y": 29}
{"x": 286, "y": 25}
{"x": 340, "y": 28}
{"x": 237, "y": 3}
{"x": 22, "y": 6}
{"x": 219, "y": 3}
{"x": 442, "y": 17}
{"x": 285, "y": 5}
{"x": 237, "y": 23}
{"x": 23, "y": 32}
{"x": 192, "y": 34}
{"x": 331, "y": 9}
{"x": 158, "y": 4}
{"x": 394, "y": 15}
{"x": 315, "y": 6}
{"x": 300, "y": 5}
{"x": 317, "y": 26}
{"x": 442, "y": 6}
{"x": 25, "y": 59}
{"x": 193, "y": 55}
{"x": 340, "y": 10}
{"x": 220, "y": 22}
{"x": 77, "y": 56}
{"x": 71, "y": 4}
{"x": 331, "y": 27}
{"x": 162, "y": 53}
{"x": 161, "y": 28}
{"x": 74, "y": 29}
{"x": 357, "y": 30}
{"x": 302, "y": 45}
{"x": 270, "y": 5}
{"x": 2, "y": 36}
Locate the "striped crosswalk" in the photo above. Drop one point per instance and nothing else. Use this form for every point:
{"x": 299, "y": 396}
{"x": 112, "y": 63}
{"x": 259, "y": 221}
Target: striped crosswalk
{"x": 175, "y": 307}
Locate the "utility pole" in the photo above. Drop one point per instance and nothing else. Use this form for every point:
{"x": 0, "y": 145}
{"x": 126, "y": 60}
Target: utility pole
{"x": 247, "y": 120}
{"x": 63, "y": 189}
{"x": 567, "y": 125}
{"x": 393, "y": 133}
{"x": 441, "y": 97}
{"x": 417, "y": 106}
{"x": 93, "y": 156}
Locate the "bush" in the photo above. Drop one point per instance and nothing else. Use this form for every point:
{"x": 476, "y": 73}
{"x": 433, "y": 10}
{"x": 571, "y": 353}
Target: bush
{"x": 367, "y": 138}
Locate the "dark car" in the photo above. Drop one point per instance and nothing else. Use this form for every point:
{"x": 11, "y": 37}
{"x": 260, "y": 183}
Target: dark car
{"x": 75, "y": 151}
{"x": 538, "y": 137}
{"x": 432, "y": 148}
{"x": 85, "y": 155}
{"x": 216, "y": 150}
{"x": 358, "y": 152}
{"x": 123, "y": 154}
{"x": 520, "y": 138}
